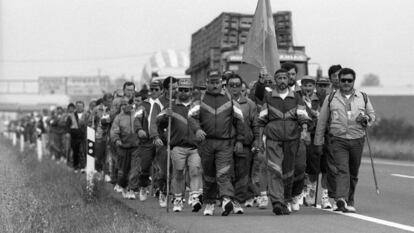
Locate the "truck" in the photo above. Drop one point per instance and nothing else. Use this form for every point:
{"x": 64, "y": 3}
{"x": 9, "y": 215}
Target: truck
{"x": 219, "y": 46}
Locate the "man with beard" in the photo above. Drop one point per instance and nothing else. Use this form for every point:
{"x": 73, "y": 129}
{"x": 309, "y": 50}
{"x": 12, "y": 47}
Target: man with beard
{"x": 347, "y": 112}
{"x": 217, "y": 122}
{"x": 160, "y": 138}
{"x": 243, "y": 162}
{"x": 333, "y": 72}
{"x": 282, "y": 113}
{"x": 292, "y": 73}
{"x": 184, "y": 153}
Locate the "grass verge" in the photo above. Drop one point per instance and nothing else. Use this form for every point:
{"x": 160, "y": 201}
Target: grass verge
{"x": 396, "y": 150}
{"x": 45, "y": 197}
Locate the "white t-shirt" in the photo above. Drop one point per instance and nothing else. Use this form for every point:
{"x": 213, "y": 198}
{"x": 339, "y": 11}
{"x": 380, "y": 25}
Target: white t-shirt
{"x": 284, "y": 95}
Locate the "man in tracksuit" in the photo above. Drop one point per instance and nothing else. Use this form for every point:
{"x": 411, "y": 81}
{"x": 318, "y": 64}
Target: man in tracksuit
{"x": 160, "y": 138}
{"x": 243, "y": 186}
{"x": 184, "y": 153}
{"x": 126, "y": 142}
{"x": 279, "y": 120}
{"x": 217, "y": 121}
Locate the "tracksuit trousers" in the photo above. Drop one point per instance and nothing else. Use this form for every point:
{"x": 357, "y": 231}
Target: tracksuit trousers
{"x": 124, "y": 165}
{"x": 280, "y": 165}
{"x": 216, "y": 160}
{"x": 243, "y": 185}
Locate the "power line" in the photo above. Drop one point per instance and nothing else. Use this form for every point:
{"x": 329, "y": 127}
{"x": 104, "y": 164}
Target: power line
{"x": 58, "y": 60}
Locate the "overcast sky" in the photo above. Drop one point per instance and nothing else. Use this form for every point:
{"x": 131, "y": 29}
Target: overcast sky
{"x": 78, "y": 37}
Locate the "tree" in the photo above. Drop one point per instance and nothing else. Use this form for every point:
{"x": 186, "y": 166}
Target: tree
{"x": 371, "y": 80}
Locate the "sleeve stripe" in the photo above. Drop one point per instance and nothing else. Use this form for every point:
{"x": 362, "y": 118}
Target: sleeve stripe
{"x": 194, "y": 110}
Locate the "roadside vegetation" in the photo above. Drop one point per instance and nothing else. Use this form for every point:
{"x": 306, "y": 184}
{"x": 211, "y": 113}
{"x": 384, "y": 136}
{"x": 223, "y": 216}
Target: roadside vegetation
{"x": 392, "y": 139}
{"x": 45, "y": 197}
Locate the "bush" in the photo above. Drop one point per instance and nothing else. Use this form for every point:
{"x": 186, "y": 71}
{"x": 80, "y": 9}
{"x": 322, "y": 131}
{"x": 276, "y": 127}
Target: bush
{"x": 392, "y": 129}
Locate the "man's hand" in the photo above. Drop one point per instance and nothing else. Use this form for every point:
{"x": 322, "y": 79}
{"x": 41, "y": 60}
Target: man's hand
{"x": 118, "y": 143}
{"x": 305, "y": 136}
{"x": 200, "y": 135}
{"x": 319, "y": 150}
{"x": 158, "y": 141}
{"x": 238, "y": 147}
{"x": 362, "y": 119}
{"x": 142, "y": 133}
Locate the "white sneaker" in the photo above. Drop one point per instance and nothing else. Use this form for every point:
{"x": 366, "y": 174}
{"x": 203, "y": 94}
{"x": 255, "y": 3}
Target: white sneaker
{"x": 227, "y": 206}
{"x": 310, "y": 196}
{"x": 289, "y": 207}
{"x": 263, "y": 202}
{"x": 178, "y": 205}
{"x": 209, "y": 210}
{"x": 143, "y": 193}
{"x": 107, "y": 179}
{"x": 131, "y": 195}
{"x": 295, "y": 203}
{"x": 118, "y": 189}
{"x": 300, "y": 197}
{"x": 195, "y": 202}
{"x": 53, "y": 157}
{"x": 250, "y": 202}
{"x": 237, "y": 209}
{"x": 125, "y": 194}
{"x": 350, "y": 209}
{"x": 325, "y": 203}
{"x": 162, "y": 199}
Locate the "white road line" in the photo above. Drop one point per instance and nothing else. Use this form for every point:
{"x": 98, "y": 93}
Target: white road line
{"x": 374, "y": 220}
{"x": 403, "y": 176}
{"x": 384, "y": 162}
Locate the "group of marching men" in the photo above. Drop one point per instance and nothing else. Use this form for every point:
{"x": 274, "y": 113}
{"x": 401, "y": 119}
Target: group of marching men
{"x": 230, "y": 144}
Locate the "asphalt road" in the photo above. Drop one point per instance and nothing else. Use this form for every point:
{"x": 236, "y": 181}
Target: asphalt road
{"x": 391, "y": 211}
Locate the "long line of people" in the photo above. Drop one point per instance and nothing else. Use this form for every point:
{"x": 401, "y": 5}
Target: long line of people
{"x": 229, "y": 145}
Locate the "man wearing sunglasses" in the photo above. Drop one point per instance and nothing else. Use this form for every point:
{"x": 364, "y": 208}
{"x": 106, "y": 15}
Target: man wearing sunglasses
{"x": 217, "y": 121}
{"x": 244, "y": 189}
{"x": 346, "y": 113}
{"x": 184, "y": 153}
{"x": 283, "y": 120}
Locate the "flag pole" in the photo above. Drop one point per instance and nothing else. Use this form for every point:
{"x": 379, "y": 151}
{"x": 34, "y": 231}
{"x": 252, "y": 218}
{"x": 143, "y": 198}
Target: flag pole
{"x": 168, "y": 147}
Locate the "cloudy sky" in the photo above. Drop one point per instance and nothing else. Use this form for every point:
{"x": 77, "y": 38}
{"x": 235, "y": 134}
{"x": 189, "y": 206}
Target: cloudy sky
{"x": 80, "y": 37}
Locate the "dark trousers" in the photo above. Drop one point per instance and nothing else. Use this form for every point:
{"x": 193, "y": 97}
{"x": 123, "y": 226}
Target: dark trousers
{"x": 100, "y": 154}
{"x": 160, "y": 164}
{"x": 124, "y": 165}
{"x": 300, "y": 167}
{"x": 346, "y": 159}
{"x": 76, "y": 139}
{"x": 216, "y": 160}
{"x": 141, "y": 162}
{"x": 242, "y": 181}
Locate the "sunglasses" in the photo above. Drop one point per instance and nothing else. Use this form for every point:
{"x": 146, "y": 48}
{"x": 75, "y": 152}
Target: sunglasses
{"x": 346, "y": 80}
{"x": 202, "y": 88}
{"x": 184, "y": 90}
{"x": 323, "y": 85}
{"x": 268, "y": 82}
{"x": 155, "y": 89}
{"x": 234, "y": 84}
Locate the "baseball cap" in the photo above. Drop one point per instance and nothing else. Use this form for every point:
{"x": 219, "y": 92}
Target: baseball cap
{"x": 185, "y": 83}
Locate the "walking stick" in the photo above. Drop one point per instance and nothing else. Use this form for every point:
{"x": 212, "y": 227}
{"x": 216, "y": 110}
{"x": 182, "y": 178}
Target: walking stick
{"x": 316, "y": 193}
{"x": 168, "y": 147}
{"x": 372, "y": 162}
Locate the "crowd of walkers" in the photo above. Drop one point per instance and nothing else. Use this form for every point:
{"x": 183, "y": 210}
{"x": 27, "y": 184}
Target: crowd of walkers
{"x": 232, "y": 144}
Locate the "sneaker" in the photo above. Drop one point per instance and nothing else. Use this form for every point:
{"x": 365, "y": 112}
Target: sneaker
{"x": 53, "y": 157}
{"x": 76, "y": 171}
{"x": 350, "y": 209}
{"x": 250, "y": 202}
{"x": 209, "y": 210}
{"x": 237, "y": 209}
{"x": 325, "y": 203}
{"x": 178, "y": 205}
{"x": 125, "y": 194}
{"x": 341, "y": 205}
{"x": 195, "y": 203}
{"x": 118, "y": 189}
{"x": 162, "y": 199}
{"x": 280, "y": 209}
{"x": 263, "y": 202}
{"x": 131, "y": 195}
{"x": 289, "y": 207}
{"x": 227, "y": 206}
{"x": 301, "y": 197}
{"x": 107, "y": 179}
{"x": 310, "y": 196}
{"x": 143, "y": 193}
{"x": 83, "y": 170}
{"x": 295, "y": 205}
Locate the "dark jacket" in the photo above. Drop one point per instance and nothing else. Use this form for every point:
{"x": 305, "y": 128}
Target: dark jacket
{"x": 251, "y": 127}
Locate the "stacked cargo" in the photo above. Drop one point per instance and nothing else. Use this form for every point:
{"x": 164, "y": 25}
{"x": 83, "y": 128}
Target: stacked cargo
{"x": 228, "y": 32}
